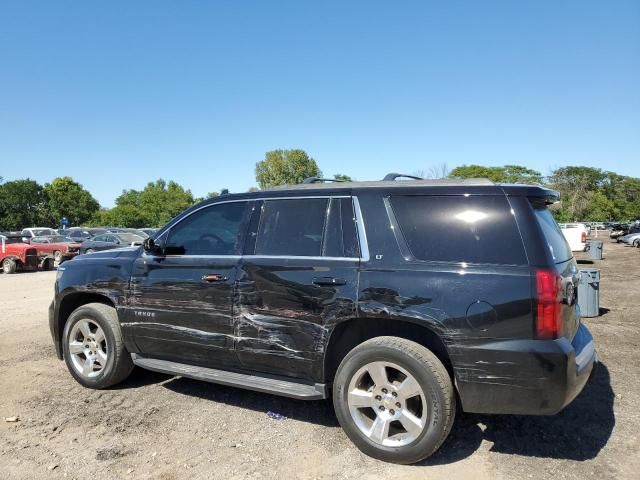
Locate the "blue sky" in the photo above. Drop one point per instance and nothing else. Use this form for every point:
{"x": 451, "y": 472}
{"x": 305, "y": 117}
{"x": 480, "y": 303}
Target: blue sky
{"x": 116, "y": 94}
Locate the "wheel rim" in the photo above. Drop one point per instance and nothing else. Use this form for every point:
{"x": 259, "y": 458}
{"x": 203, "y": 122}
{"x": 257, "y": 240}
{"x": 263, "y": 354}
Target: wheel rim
{"x": 6, "y": 266}
{"x": 88, "y": 348}
{"x": 387, "y": 404}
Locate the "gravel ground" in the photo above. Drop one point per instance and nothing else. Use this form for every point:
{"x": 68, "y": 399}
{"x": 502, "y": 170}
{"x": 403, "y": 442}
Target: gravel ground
{"x": 161, "y": 427}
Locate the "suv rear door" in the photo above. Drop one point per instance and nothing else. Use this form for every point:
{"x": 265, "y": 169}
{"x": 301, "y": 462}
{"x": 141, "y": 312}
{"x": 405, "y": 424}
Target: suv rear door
{"x": 298, "y": 278}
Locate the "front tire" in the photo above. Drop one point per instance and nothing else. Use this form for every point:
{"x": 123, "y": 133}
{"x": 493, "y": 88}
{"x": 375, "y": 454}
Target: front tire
{"x": 93, "y": 347}
{"x": 9, "y": 265}
{"x": 394, "y": 399}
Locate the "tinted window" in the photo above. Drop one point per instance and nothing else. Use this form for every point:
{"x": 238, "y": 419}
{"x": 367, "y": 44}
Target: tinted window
{"x": 291, "y": 227}
{"x": 214, "y": 230}
{"x": 474, "y": 229}
{"x": 557, "y": 244}
{"x": 100, "y": 238}
{"x": 340, "y": 234}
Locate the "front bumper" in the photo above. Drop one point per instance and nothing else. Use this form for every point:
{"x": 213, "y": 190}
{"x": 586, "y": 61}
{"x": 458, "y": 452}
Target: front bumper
{"x": 528, "y": 377}
{"x": 55, "y": 336}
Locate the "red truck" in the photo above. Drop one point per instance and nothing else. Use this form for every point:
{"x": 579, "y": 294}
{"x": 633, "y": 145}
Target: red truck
{"x": 16, "y": 255}
{"x": 58, "y": 247}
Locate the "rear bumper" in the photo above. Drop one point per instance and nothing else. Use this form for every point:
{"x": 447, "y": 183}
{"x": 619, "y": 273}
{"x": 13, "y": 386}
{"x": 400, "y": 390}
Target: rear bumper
{"x": 528, "y": 377}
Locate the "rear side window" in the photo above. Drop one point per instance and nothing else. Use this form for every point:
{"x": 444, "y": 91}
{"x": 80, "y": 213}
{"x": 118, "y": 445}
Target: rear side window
{"x": 292, "y": 227}
{"x": 556, "y": 243}
{"x": 340, "y": 233}
{"x": 474, "y": 229}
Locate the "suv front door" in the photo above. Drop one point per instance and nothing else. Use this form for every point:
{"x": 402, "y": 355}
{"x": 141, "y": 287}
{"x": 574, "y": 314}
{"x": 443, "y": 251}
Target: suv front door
{"x": 298, "y": 279}
{"x": 181, "y": 301}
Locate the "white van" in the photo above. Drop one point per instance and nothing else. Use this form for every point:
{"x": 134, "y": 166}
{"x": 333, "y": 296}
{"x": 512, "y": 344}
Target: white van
{"x": 576, "y": 235}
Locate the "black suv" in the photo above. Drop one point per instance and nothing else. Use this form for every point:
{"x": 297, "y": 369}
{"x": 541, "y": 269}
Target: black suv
{"x": 399, "y": 299}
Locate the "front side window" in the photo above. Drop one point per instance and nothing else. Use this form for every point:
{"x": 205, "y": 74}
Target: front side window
{"x": 292, "y": 227}
{"x": 100, "y": 238}
{"x": 214, "y": 230}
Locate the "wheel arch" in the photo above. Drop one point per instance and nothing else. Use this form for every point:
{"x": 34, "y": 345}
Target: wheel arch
{"x": 71, "y": 302}
{"x": 350, "y": 333}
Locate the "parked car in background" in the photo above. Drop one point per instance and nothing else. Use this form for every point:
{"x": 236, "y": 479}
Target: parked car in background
{"x": 16, "y": 255}
{"x": 28, "y": 233}
{"x": 58, "y": 247}
{"x": 81, "y": 233}
{"x": 576, "y": 235}
{"x": 150, "y": 231}
{"x": 618, "y": 230}
{"x": 135, "y": 231}
{"x": 108, "y": 241}
{"x": 632, "y": 239}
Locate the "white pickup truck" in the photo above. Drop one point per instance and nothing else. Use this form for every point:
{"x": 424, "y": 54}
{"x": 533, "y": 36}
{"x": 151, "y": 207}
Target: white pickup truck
{"x": 576, "y": 235}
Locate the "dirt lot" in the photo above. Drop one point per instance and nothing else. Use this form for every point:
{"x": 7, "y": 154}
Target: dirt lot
{"x": 156, "y": 426}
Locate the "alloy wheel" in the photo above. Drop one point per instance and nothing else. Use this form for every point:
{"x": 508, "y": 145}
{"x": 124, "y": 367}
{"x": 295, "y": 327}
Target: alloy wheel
{"x": 88, "y": 348}
{"x": 387, "y": 404}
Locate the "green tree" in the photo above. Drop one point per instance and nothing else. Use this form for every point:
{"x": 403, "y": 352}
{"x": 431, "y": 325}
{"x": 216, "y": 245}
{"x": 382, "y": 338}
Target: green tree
{"x": 285, "y": 167}
{"x": 601, "y": 208}
{"x": 153, "y": 206}
{"x": 495, "y": 174}
{"x": 68, "y": 198}
{"x": 23, "y": 204}
{"x": 343, "y": 177}
{"x": 577, "y": 186}
{"x": 520, "y": 174}
{"x": 506, "y": 174}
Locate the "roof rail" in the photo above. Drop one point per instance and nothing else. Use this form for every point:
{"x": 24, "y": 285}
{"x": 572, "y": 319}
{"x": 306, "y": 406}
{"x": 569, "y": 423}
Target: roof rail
{"x": 318, "y": 179}
{"x": 389, "y": 177}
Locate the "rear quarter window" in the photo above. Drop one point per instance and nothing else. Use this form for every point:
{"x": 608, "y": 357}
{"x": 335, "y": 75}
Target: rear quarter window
{"x": 556, "y": 243}
{"x": 473, "y": 229}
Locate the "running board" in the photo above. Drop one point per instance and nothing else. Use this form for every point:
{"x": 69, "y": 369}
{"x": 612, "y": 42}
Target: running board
{"x": 233, "y": 379}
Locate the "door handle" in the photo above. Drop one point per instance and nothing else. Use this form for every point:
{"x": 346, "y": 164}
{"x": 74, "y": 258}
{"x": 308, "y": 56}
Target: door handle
{"x": 329, "y": 281}
{"x": 214, "y": 277}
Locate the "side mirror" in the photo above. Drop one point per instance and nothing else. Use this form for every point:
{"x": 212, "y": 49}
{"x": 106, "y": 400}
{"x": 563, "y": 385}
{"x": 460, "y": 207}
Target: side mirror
{"x": 151, "y": 246}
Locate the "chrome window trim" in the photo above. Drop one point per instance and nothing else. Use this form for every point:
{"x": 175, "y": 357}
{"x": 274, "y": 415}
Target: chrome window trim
{"x": 360, "y": 227}
{"x": 362, "y": 233}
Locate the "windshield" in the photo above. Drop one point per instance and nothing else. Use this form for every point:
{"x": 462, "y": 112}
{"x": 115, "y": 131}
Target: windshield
{"x": 42, "y": 231}
{"x": 61, "y": 239}
{"x": 557, "y": 244}
{"x": 12, "y": 239}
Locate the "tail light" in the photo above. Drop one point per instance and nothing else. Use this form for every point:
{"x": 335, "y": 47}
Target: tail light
{"x": 584, "y": 237}
{"x": 548, "y": 304}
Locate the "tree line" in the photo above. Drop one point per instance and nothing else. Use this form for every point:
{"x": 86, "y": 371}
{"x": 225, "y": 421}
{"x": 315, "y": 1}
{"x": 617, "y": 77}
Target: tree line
{"x": 587, "y": 193}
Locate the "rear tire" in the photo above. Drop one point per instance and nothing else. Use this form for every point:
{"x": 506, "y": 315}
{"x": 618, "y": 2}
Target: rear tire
{"x": 9, "y": 265}
{"x": 405, "y": 415}
{"x": 93, "y": 347}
